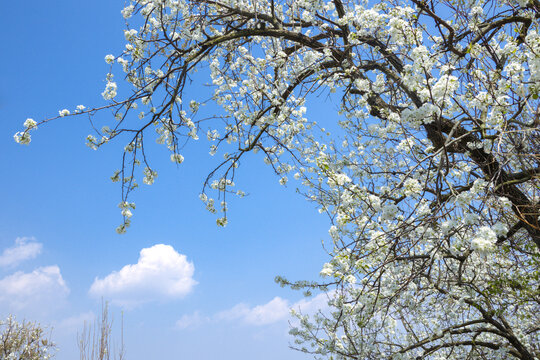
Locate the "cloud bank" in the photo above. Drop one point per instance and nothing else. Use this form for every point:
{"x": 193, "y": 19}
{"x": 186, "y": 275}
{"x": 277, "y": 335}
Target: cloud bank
{"x": 77, "y": 322}
{"x": 42, "y": 287}
{"x": 273, "y": 311}
{"x": 25, "y": 248}
{"x": 191, "y": 321}
{"x": 161, "y": 273}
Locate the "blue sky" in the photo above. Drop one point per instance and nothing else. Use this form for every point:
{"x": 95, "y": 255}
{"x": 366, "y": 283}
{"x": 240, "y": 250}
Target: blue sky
{"x": 211, "y": 293}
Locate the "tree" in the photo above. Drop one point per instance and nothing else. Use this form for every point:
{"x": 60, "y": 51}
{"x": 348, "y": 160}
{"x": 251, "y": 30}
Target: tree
{"x": 429, "y": 171}
{"x": 23, "y": 341}
{"x": 95, "y": 342}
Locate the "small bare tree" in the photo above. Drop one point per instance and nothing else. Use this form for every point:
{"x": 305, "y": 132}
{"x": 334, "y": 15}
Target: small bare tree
{"x": 95, "y": 341}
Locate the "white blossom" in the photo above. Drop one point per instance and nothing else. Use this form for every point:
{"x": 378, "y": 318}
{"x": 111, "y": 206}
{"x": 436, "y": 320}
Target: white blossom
{"x": 128, "y": 11}
{"x": 149, "y": 176}
{"x": 110, "y": 91}
{"x": 412, "y": 187}
{"x": 485, "y": 240}
{"x": 389, "y": 212}
{"x": 22, "y": 138}
{"x": 327, "y": 270}
{"x": 30, "y": 124}
{"x": 109, "y": 59}
{"x": 177, "y": 158}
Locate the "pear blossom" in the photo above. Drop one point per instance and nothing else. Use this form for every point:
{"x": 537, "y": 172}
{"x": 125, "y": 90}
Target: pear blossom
{"x": 30, "y": 124}
{"x": 110, "y": 91}
{"x": 412, "y": 187}
{"x": 485, "y": 240}
{"x": 22, "y": 138}
{"x": 177, "y": 158}
{"x": 327, "y": 270}
{"x": 389, "y": 212}
{"x": 500, "y": 229}
{"x": 128, "y": 11}
{"x": 127, "y": 213}
{"x": 149, "y": 176}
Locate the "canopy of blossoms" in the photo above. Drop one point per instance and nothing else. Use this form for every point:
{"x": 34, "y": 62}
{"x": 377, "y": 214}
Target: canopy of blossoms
{"x": 429, "y": 169}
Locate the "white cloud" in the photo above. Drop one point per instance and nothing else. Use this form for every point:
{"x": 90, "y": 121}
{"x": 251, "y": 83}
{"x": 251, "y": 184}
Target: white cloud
{"x": 42, "y": 287}
{"x": 77, "y": 322}
{"x": 275, "y": 310}
{"x": 310, "y": 306}
{"x": 161, "y": 273}
{"x": 191, "y": 320}
{"x": 24, "y": 249}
